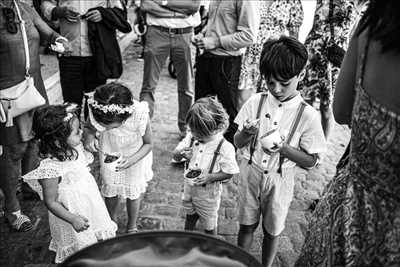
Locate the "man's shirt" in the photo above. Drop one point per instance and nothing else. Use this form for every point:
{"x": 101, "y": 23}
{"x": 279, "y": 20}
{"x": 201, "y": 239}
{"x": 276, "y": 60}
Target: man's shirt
{"x": 77, "y": 33}
{"x": 236, "y": 24}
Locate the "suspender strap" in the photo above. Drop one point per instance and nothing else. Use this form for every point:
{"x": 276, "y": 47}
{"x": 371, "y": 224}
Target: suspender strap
{"x": 24, "y": 39}
{"x": 216, "y": 153}
{"x": 253, "y": 141}
{"x": 293, "y": 129}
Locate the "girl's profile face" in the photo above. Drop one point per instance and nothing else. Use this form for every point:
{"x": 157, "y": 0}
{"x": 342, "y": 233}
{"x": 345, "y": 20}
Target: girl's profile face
{"x": 74, "y": 138}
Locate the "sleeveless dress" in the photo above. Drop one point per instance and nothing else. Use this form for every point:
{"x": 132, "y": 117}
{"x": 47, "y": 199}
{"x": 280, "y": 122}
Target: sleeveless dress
{"x": 357, "y": 221}
{"x": 79, "y": 193}
{"x": 276, "y": 19}
{"x": 127, "y": 140}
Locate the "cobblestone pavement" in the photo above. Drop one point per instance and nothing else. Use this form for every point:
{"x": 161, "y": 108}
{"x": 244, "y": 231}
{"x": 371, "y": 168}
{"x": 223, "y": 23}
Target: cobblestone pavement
{"x": 161, "y": 205}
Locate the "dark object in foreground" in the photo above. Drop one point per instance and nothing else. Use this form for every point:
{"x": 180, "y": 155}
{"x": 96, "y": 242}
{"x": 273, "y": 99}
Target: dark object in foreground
{"x": 169, "y": 248}
{"x": 110, "y": 158}
{"x": 193, "y": 174}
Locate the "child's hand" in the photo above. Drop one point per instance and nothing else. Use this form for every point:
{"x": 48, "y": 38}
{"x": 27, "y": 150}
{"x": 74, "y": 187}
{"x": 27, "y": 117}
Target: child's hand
{"x": 80, "y": 223}
{"x": 187, "y": 153}
{"x": 90, "y": 142}
{"x": 251, "y": 126}
{"x": 125, "y": 163}
{"x": 202, "y": 180}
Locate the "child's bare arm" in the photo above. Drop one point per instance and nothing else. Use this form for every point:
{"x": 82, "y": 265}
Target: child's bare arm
{"x": 141, "y": 153}
{"x": 50, "y": 194}
{"x": 90, "y": 141}
{"x": 213, "y": 177}
{"x": 300, "y": 157}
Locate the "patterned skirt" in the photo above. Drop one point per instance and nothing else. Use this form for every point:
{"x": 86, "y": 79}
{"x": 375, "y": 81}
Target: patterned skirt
{"x": 353, "y": 226}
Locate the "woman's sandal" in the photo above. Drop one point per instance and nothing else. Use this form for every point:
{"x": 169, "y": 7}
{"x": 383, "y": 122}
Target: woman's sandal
{"x": 19, "y": 222}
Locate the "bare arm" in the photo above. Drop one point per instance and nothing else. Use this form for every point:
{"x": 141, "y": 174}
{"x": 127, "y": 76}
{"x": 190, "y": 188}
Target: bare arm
{"x": 213, "y": 177}
{"x": 155, "y": 9}
{"x": 50, "y": 195}
{"x": 301, "y": 158}
{"x": 344, "y": 93}
{"x": 141, "y": 153}
{"x": 47, "y": 35}
{"x": 188, "y": 7}
{"x": 242, "y": 139}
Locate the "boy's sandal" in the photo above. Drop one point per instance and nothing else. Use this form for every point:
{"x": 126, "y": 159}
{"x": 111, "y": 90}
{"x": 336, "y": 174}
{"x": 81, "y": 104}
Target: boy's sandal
{"x": 21, "y": 223}
{"x": 131, "y": 230}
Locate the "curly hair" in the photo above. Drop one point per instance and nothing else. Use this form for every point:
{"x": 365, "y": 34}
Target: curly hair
{"x": 207, "y": 116}
{"x": 112, "y": 93}
{"x": 52, "y": 131}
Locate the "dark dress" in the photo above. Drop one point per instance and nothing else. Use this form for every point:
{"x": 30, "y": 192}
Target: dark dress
{"x": 357, "y": 221}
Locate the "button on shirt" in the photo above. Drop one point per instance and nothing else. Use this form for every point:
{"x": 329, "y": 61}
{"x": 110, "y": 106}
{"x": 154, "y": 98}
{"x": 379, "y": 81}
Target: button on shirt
{"x": 235, "y": 23}
{"x": 203, "y": 154}
{"x": 309, "y": 135}
{"x": 77, "y": 33}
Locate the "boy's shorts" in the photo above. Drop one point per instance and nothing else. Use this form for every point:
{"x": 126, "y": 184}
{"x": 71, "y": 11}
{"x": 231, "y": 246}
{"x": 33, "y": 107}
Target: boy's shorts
{"x": 268, "y": 194}
{"x": 204, "y": 201}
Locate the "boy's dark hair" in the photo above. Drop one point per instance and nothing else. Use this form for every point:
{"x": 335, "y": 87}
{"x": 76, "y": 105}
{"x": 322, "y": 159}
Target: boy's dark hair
{"x": 207, "y": 116}
{"x": 52, "y": 130}
{"x": 112, "y": 93}
{"x": 283, "y": 58}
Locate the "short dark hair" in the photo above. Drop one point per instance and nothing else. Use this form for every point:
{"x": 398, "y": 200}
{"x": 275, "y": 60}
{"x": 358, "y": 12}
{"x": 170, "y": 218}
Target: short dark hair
{"x": 112, "y": 93}
{"x": 283, "y": 58}
{"x": 52, "y": 130}
{"x": 207, "y": 116}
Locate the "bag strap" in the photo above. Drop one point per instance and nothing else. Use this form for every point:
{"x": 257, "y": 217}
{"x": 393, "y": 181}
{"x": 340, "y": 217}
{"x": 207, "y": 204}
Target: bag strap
{"x": 253, "y": 141}
{"x": 293, "y": 129}
{"x": 25, "y": 40}
{"x": 216, "y": 153}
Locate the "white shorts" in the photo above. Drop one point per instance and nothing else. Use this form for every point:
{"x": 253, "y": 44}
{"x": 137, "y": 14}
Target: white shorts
{"x": 268, "y": 194}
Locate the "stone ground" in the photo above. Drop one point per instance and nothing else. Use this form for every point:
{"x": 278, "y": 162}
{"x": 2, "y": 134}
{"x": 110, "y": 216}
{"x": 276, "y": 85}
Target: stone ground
{"x": 161, "y": 206}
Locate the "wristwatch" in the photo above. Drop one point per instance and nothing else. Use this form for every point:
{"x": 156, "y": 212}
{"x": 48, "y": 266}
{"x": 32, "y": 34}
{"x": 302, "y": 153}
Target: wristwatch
{"x": 164, "y": 2}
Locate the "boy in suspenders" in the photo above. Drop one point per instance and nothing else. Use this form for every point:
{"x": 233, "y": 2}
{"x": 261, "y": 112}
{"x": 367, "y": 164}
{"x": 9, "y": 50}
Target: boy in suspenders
{"x": 266, "y": 179}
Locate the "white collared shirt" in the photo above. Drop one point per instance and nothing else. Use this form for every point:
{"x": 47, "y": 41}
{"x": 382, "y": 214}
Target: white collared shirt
{"x": 203, "y": 154}
{"x": 309, "y": 135}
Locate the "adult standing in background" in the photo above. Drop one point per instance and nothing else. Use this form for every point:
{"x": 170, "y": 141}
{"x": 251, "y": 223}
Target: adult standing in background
{"x": 232, "y": 26}
{"x": 326, "y": 44}
{"x": 18, "y": 153}
{"x": 78, "y": 71}
{"x": 277, "y": 17}
{"x": 169, "y": 32}
{"x": 357, "y": 221}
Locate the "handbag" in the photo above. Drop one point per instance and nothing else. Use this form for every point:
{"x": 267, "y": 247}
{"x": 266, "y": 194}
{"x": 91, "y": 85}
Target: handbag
{"x": 24, "y": 96}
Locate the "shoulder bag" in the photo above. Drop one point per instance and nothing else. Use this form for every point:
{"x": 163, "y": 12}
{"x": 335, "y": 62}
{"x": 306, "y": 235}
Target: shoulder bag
{"x": 23, "y": 96}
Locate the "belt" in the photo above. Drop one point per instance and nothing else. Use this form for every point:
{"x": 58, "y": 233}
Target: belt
{"x": 174, "y": 30}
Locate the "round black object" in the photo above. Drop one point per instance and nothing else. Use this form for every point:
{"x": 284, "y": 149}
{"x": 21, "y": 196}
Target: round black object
{"x": 162, "y": 248}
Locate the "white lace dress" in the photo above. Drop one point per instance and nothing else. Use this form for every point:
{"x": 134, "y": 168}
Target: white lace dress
{"x": 127, "y": 140}
{"x": 77, "y": 192}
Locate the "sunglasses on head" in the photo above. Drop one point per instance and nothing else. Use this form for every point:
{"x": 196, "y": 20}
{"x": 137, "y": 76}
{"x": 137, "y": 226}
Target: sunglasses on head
{"x": 10, "y": 23}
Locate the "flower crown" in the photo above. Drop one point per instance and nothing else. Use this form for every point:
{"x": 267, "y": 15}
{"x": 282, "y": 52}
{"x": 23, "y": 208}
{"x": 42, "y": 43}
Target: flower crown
{"x": 110, "y": 108}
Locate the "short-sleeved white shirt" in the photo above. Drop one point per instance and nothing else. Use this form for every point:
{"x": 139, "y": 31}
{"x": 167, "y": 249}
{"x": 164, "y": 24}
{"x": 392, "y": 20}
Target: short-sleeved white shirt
{"x": 309, "y": 135}
{"x": 203, "y": 154}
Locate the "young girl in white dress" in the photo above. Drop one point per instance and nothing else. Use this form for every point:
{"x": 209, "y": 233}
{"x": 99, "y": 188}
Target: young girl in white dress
{"x": 123, "y": 128}
{"x": 77, "y": 214}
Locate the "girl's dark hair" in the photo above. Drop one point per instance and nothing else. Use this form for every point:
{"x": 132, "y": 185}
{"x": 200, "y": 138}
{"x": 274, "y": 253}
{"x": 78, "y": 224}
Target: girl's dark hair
{"x": 207, "y": 116}
{"x": 112, "y": 93}
{"x": 282, "y": 58}
{"x": 383, "y": 23}
{"x": 52, "y": 131}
